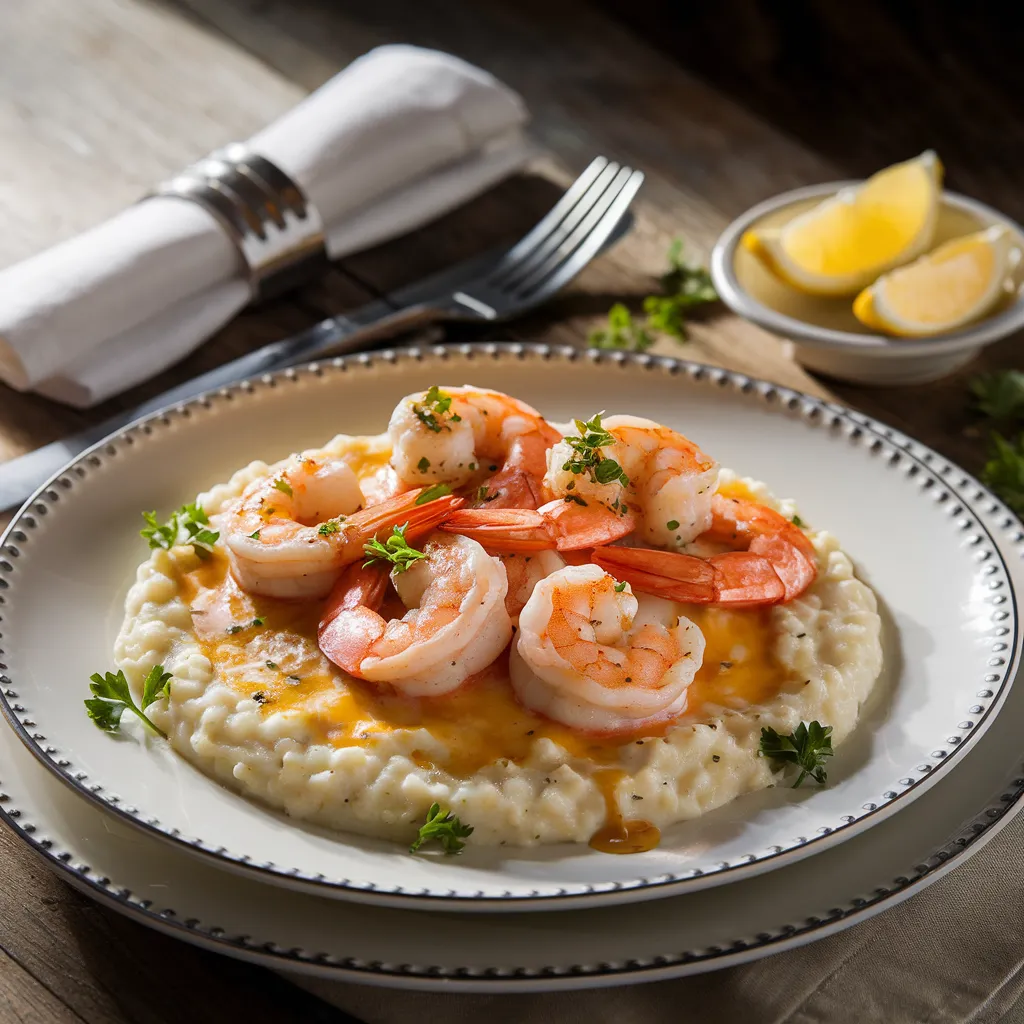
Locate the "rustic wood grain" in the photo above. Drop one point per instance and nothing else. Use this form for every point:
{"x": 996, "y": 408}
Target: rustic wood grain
{"x": 101, "y": 98}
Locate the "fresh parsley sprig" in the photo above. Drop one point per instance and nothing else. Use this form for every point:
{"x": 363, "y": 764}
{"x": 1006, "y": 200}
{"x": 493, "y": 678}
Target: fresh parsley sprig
{"x": 587, "y": 458}
{"x": 396, "y": 550}
{"x": 1004, "y": 470}
{"x": 999, "y": 395}
{"x": 683, "y": 288}
{"x": 807, "y": 746}
{"x": 445, "y": 827}
{"x": 436, "y": 404}
{"x": 190, "y": 518}
{"x": 621, "y": 332}
{"x": 111, "y": 697}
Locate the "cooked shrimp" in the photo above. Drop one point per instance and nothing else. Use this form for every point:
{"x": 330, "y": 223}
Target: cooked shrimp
{"x": 586, "y": 658}
{"x": 290, "y": 534}
{"x": 461, "y": 435}
{"x": 560, "y": 524}
{"x": 456, "y": 623}
{"x": 779, "y": 562}
{"x": 524, "y": 572}
{"x": 664, "y": 477}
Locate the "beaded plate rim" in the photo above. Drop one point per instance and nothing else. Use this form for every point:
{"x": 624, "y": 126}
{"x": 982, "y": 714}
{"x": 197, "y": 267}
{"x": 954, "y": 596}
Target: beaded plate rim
{"x": 814, "y": 412}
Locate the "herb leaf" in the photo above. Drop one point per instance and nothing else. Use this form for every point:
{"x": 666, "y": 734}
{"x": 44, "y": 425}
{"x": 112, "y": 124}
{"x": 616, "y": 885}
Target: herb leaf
{"x": 445, "y": 827}
{"x": 433, "y": 493}
{"x": 587, "y": 457}
{"x": 807, "y": 747}
{"x": 999, "y": 395}
{"x": 436, "y": 404}
{"x": 190, "y": 518}
{"x": 683, "y": 287}
{"x": 111, "y": 697}
{"x": 395, "y": 549}
{"x": 1004, "y": 471}
{"x": 621, "y": 332}
{"x": 326, "y": 529}
{"x": 283, "y": 486}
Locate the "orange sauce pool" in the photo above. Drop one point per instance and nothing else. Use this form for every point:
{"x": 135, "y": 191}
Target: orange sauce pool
{"x": 266, "y": 648}
{"x": 618, "y": 834}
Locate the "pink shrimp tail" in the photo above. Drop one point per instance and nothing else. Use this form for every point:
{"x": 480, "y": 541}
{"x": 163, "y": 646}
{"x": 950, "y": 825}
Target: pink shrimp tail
{"x": 558, "y": 525}
{"x": 350, "y": 623}
{"x": 402, "y": 508}
{"x": 737, "y": 578}
{"x": 502, "y": 529}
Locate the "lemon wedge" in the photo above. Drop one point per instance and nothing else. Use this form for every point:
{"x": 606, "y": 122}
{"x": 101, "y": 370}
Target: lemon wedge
{"x": 959, "y": 282}
{"x": 845, "y": 242}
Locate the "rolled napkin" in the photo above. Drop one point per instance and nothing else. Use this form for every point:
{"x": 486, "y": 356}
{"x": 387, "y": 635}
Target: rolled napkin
{"x": 399, "y": 137}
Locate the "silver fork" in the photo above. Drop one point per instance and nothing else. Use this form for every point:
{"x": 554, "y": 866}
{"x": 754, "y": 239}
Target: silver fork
{"x": 496, "y": 286}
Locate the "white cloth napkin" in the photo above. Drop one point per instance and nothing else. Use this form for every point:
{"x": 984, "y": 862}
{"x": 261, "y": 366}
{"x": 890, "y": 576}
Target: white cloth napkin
{"x": 396, "y": 139}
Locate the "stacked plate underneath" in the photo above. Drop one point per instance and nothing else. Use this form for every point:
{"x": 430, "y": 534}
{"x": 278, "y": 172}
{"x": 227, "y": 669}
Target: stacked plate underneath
{"x": 932, "y": 770}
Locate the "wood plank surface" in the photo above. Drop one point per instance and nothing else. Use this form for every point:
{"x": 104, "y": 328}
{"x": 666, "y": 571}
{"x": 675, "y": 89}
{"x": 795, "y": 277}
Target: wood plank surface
{"x": 101, "y": 98}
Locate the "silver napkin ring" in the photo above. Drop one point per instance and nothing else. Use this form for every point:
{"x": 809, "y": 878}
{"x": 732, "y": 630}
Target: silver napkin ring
{"x": 277, "y": 231}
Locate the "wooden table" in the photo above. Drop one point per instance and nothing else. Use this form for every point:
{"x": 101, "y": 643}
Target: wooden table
{"x": 100, "y": 98}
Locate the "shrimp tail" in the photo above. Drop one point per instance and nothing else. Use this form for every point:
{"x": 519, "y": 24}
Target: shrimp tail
{"x": 502, "y": 529}
{"x": 403, "y": 508}
{"x": 558, "y": 525}
{"x": 737, "y": 578}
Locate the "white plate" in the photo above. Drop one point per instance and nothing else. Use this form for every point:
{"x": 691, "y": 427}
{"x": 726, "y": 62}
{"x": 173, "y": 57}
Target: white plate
{"x": 951, "y": 639}
{"x": 157, "y": 886}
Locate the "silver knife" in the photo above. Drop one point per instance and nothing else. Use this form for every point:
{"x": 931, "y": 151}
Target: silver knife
{"x": 404, "y": 309}
{"x": 375, "y": 322}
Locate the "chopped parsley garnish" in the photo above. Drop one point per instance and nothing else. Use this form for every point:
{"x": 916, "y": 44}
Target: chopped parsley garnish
{"x": 807, "y": 747}
{"x": 797, "y": 521}
{"x": 111, "y": 696}
{"x": 620, "y": 587}
{"x": 395, "y": 550}
{"x": 587, "y": 457}
{"x": 234, "y": 629}
{"x": 255, "y": 535}
{"x": 326, "y": 529}
{"x": 444, "y": 827}
{"x": 283, "y": 486}
{"x": 576, "y": 499}
{"x": 431, "y": 413}
{"x": 673, "y": 524}
{"x": 190, "y": 518}
{"x": 423, "y": 465}
{"x": 272, "y": 664}
{"x": 621, "y": 331}
{"x": 433, "y": 493}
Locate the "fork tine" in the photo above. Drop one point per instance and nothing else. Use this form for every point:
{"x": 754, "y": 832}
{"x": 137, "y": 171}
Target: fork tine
{"x": 585, "y": 241}
{"x": 505, "y": 276}
{"x": 555, "y": 215}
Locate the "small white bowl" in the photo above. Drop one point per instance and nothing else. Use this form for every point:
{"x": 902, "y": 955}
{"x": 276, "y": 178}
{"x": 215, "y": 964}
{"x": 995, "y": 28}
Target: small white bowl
{"x": 848, "y": 350}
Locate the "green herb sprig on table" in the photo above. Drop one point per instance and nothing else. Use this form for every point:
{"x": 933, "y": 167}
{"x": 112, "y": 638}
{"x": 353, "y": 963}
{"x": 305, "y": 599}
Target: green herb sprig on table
{"x": 444, "y": 827}
{"x": 999, "y": 397}
{"x": 396, "y": 551}
{"x": 111, "y": 697}
{"x": 190, "y": 518}
{"x": 683, "y": 288}
{"x": 807, "y": 746}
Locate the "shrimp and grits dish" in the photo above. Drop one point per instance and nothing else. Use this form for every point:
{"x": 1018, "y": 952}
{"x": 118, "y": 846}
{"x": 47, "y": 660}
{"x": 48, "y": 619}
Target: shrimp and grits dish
{"x": 482, "y": 622}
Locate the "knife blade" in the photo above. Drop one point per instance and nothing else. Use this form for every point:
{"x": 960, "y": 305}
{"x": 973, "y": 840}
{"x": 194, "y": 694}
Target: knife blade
{"x": 22, "y": 476}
